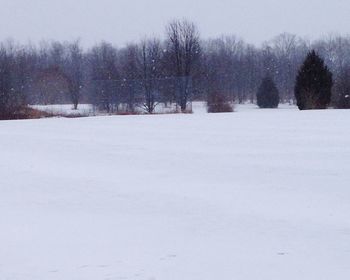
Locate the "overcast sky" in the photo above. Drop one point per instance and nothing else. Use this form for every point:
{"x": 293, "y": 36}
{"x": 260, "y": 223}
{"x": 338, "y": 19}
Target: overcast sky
{"x": 121, "y": 21}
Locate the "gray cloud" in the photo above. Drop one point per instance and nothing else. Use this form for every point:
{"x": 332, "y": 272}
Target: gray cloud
{"x": 120, "y": 21}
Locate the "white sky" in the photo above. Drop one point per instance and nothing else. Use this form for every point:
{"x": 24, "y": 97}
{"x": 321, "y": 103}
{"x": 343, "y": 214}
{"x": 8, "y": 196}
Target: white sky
{"x": 121, "y": 21}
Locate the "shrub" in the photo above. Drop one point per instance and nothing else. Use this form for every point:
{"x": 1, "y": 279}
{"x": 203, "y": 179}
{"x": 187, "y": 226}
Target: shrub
{"x": 11, "y": 103}
{"x": 219, "y": 103}
{"x": 268, "y": 95}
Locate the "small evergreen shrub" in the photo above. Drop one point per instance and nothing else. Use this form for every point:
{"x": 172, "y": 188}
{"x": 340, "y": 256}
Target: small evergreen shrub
{"x": 268, "y": 95}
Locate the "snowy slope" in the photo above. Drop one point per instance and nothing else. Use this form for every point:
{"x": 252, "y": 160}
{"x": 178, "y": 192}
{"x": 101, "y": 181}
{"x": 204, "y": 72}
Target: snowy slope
{"x": 253, "y": 195}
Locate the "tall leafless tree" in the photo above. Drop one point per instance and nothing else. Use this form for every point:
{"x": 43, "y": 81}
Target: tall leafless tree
{"x": 151, "y": 71}
{"x": 184, "y": 48}
{"x": 74, "y": 70}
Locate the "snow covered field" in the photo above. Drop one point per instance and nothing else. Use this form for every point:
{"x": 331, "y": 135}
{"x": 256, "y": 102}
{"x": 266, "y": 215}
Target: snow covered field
{"x": 253, "y": 195}
{"x": 66, "y": 109}
{"x": 88, "y": 110}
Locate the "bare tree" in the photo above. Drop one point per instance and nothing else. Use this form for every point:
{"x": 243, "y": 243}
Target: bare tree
{"x": 74, "y": 70}
{"x": 131, "y": 69}
{"x": 184, "y": 48}
{"x": 289, "y": 51}
{"x": 103, "y": 74}
{"x": 151, "y": 71}
{"x": 221, "y": 62}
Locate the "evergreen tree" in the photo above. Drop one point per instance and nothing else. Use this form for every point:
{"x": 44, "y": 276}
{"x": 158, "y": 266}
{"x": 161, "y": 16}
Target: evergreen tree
{"x": 268, "y": 95}
{"x": 313, "y": 88}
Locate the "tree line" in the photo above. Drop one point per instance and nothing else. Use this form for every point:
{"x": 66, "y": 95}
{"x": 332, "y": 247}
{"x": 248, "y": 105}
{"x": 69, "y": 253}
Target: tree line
{"x": 175, "y": 69}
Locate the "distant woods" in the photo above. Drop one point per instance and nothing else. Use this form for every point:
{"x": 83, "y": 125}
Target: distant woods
{"x": 174, "y": 70}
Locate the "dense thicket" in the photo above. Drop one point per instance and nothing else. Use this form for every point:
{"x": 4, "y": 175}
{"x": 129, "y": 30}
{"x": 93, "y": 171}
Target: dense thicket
{"x": 177, "y": 69}
{"x": 267, "y": 95}
{"x": 314, "y": 82}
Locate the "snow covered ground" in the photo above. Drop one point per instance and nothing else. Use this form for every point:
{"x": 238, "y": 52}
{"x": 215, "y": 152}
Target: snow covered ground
{"x": 88, "y": 109}
{"x": 66, "y": 109}
{"x": 252, "y": 195}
